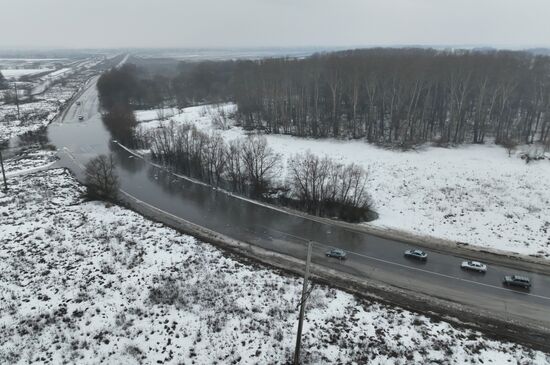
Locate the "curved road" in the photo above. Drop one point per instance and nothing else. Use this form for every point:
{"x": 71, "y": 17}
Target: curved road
{"x": 368, "y": 256}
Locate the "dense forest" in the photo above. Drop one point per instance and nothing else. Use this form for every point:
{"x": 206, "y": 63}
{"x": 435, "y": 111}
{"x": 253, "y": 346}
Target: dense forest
{"x": 399, "y": 96}
{"x": 387, "y": 96}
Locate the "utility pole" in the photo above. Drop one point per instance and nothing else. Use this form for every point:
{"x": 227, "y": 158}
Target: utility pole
{"x": 3, "y": 172}
{"x": 305, "y": 295}
{"x": 17, "y": 100}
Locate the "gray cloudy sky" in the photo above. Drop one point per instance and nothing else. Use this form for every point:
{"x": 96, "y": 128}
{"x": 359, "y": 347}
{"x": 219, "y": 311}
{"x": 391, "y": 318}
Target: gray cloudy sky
{"x": 253, "y": 23}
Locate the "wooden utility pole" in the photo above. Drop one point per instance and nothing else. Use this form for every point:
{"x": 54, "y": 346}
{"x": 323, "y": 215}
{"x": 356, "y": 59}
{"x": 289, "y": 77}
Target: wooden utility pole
{"x": 3, "y": 172}
{"x": 305, "y": 294}
{"x": 17, "y": 100}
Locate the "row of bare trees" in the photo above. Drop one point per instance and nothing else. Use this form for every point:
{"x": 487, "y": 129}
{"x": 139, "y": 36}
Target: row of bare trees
{"x": 243, "y": 165}
{"x": 326, "y": 188}
{"x": 249, "y": 166}
{"x": 399, "y": 96}
{"x": 388, "y": 96}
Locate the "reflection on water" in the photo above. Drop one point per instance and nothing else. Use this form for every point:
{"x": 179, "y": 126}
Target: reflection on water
{"x": 125, "y": 161}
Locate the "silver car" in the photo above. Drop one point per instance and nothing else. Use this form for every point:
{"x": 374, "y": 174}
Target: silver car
{"x": 474, "y": 266}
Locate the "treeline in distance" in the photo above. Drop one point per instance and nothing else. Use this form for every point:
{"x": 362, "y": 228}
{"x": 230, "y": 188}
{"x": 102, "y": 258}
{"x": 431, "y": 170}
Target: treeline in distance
{"x": 387, "y": 96}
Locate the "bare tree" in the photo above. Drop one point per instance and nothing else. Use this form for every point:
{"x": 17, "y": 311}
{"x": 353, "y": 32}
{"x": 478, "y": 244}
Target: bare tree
{"x": 260, "y": 162}
{"x": 326, "y": 188}
{"x": 510, "y": 145}
{"x": 235, "y": 169}
{"x": 101, "y": 178}
{"x": 3, "y": 82}
{"x": 215, "y": 157}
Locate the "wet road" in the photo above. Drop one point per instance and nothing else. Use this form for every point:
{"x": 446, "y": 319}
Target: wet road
{"x": 368, "y": 256}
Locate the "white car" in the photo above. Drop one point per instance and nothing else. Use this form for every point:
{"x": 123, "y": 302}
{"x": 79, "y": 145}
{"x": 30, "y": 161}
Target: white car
{"x": 474, "y": 265}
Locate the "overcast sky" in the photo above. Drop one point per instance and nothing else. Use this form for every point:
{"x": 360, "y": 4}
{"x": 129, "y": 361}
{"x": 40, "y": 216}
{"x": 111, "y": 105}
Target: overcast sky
{"x": 267, "y": 23}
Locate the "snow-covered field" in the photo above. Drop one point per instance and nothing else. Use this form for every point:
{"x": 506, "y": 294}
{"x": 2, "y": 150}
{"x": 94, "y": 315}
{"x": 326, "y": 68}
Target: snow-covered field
{"x": 44, "y": 107}
{"x": 85, "y": 282}
{"x": 30, "y": 161}
{"x": 473, "y": 194}
{"x": 155, "y": 114}
{"x": 34, "y": 116}
{"x": 17, "y": 73}
{"x": 15, "y": 68}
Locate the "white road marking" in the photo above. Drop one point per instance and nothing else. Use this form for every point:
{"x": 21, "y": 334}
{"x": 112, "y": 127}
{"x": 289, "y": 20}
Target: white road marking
{"x": 71, "y": 156}
{"x": 412, "y": 267}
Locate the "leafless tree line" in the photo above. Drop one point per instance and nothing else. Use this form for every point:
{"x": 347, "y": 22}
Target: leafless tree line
{"x": 244, "y": 165}
{"x": 249, "y": 166}
{"x": 326, "y": 188}
{"x": 403, "y": 96}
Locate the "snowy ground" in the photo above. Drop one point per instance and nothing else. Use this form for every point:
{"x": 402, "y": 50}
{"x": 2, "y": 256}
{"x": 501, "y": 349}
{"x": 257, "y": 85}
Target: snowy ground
{"x": 15, "y": 68}
{"x": 29, "y": 161}
{"x": 55, "y": 89}
{"x": 472, "y": 194}
{"x": 84, "y": 282}
{"x": 17, "y": 73}
{"x": 155, "y": 114}
{"x": 34, "y": 116}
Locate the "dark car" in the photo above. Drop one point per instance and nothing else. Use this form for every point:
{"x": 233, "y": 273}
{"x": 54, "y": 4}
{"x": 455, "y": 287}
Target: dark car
{"x": 80, "y": 117}
{"x": 416, "y": 254}
{"x": 517, "y": 280}
{"x": 336, "y": 253}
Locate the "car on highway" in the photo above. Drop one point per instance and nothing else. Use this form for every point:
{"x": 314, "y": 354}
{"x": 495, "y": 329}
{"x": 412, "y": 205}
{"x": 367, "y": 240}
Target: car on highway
{"x": 517, "y": 280}
{"x": 336, "y": 253}
{"x": 80, "y": 117}
{"x": 474, "y": 266}
{"x": 416, "y": 254}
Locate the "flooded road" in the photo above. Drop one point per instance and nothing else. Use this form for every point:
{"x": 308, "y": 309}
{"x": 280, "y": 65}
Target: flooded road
{"x": 368, "y": 256}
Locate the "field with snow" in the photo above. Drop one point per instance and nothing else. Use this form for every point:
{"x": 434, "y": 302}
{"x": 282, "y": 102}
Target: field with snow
{"x": 14, "y": 74}
{"x": 34, "y": 116}
{"x": 473, "y": 194}
{"x": 52, "y": 92}
{"x": 15, "y": 68}
{"x": 29, "y": 161}
{"x": 85, "y": 282}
